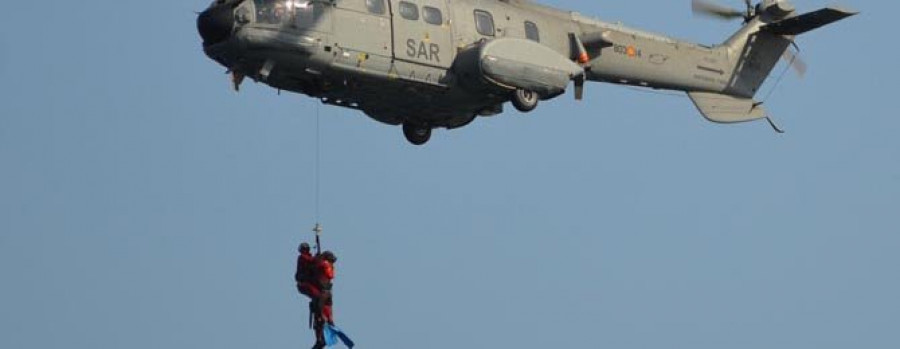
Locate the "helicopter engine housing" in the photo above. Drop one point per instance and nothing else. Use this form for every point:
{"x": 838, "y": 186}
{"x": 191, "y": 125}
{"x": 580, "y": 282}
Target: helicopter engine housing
{"x": 512, "y": 64}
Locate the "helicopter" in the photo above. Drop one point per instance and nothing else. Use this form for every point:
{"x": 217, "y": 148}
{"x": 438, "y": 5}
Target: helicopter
{"x": 427, "y": 64}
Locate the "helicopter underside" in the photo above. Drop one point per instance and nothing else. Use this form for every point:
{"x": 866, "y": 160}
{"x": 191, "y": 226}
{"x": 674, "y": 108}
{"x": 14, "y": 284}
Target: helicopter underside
{"x": 386, "y": 90}
{"x": 353, "y": 55}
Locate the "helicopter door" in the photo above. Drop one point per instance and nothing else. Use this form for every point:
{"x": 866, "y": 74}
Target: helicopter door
{"x": 363, "y": 25}
{"x": 422, "y": 32}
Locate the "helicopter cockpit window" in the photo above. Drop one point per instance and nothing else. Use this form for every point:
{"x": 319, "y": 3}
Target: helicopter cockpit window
{"x": 271, "y": 11}
{"x": 307, "y": 12}
{"x": 432, "y": 15}
{"x": 409, "y": 11}
{"x": 375, "y": 6}
{"x": 298, "y": 12}
{"x": 484, "y": 23}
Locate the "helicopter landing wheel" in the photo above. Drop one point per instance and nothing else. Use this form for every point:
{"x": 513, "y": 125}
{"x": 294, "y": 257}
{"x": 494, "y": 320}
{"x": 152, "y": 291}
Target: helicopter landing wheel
{"x": 417, "y": 134}
{"x": 524, "y": 100}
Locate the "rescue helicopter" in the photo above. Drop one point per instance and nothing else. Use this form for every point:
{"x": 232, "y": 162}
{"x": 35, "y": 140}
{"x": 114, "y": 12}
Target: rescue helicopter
{"x": 427, "y": 64}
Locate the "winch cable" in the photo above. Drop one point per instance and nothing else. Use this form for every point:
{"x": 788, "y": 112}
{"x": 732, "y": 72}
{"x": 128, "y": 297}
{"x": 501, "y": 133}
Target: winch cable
{"x": 318, "y": 181}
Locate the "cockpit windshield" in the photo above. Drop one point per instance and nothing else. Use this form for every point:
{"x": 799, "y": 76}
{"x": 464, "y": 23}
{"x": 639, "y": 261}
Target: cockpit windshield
{"x": 301, "y": 13}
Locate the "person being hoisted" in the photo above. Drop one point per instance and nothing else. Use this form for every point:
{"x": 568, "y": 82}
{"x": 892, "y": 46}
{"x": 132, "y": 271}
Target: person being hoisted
{"x": 304, "y": 276}
{"x": 314, "y": 277}
{"x": 308, "y": 284}
{"x": 324, "y": 274}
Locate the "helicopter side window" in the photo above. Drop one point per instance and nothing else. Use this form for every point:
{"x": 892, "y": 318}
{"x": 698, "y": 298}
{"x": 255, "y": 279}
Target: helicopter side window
{"x": 532, "y": 32}
{"x": 484, "y": 23}
{"x": 375, "y": 6}
{"x": 409, "y": 11}
{"x": 432, "y": 15}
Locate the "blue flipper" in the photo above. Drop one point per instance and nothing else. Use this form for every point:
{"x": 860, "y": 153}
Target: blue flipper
{"x": 330, "y": 336}
{"x": 333, "y": 333}
{"x": 347, "y": 341}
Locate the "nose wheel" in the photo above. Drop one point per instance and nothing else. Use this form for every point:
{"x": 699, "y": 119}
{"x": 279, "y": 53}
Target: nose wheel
{"x": 524, "y": 100}
{"x": 417, "y": 134}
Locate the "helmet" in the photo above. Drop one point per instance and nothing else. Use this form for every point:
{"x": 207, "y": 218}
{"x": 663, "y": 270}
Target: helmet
{"x": 329, "y": 256}
{"x": 304, "y": 247}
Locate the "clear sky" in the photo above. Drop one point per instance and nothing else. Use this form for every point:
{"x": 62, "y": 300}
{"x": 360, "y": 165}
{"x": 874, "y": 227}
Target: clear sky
{"x": 145, "y": 205}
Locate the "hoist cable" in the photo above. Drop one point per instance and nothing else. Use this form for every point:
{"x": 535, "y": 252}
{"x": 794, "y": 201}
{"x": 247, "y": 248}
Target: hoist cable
{"x": 318, "y": 182}
{"x": 318, "y": 161}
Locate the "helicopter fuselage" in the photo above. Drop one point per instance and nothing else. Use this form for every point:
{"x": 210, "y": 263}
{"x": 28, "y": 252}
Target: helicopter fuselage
{"x": 441, "y": 63}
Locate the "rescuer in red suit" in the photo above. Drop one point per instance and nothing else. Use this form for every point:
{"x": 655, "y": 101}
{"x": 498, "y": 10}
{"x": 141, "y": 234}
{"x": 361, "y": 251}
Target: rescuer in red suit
{"x": 314, "y": 277}
{"x": 324, "y": 276}
{"x": 307, "y": 278}
{"x": 305, "y": 275}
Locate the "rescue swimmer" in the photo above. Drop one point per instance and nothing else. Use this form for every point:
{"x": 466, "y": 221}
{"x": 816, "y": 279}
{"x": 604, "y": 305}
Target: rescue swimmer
{"x": 314, "y": 277}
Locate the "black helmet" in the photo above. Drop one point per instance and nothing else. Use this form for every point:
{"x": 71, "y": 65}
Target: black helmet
{"x": 304, "y": 247}
{"x": 329, "y": 256}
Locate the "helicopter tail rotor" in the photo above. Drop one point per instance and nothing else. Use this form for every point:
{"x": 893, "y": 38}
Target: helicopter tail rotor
{"x": 776, "y": 13}
{"x": 767, "y": 37}
{"x": 773, "y": 9}
{"x": 792, "y": 57}
{"x": 710, "y": 9}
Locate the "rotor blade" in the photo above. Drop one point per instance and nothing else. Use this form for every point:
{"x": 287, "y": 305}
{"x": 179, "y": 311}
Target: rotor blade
{"x": 793, "y": 58}
{"x": 709, "y": 9}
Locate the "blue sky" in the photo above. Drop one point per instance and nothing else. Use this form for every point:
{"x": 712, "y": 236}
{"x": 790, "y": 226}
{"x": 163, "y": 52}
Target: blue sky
{"x": 145, "y": 205}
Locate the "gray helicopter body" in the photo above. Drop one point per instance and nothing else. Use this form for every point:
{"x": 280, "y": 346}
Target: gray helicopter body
{"x": 431, "y": 64}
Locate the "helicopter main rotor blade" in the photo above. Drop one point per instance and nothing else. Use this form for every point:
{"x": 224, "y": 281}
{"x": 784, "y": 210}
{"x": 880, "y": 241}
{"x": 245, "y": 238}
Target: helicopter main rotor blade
{"x": 710, "y": 9}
